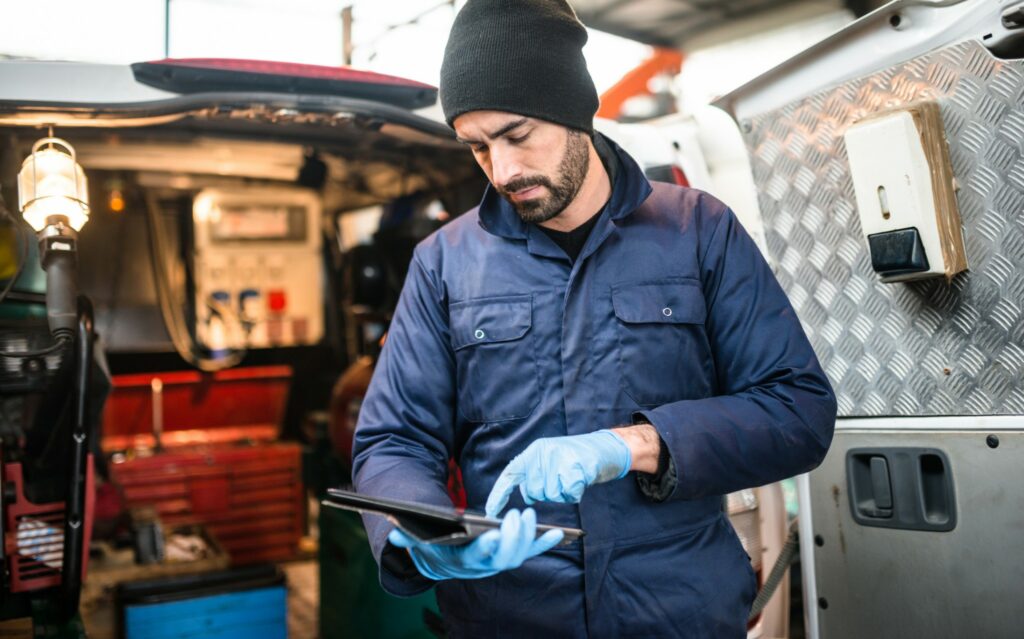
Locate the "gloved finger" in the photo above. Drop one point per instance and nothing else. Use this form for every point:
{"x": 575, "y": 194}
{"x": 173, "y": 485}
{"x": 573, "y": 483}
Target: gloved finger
{"x": 533, "y": 488}
{"x": 507, "y": 481}
{"x": 508, "y": 545}
{"x": 553, "y": 487}
{"x": 527, "y": 534}
{"x": 482, "y": 549}
{"x": 528, "y": 497}
{"x": 545, "y": 542}
{"x": 574, "y": 483}
{"x": 401, "y": 540}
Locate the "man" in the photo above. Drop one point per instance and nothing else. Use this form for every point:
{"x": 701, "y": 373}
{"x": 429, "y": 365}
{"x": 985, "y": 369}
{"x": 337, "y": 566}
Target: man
{"x": 580, "y": 326}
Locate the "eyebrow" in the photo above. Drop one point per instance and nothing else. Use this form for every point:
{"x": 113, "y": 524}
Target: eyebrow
{"x": 514, "y": 124}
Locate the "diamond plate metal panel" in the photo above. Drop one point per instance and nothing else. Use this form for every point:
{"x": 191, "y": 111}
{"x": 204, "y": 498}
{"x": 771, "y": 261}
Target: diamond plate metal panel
{"x": 916, "y": 348}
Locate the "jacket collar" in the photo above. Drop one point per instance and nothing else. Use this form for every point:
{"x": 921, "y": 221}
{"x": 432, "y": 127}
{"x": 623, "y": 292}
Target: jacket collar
{"x": 629, "y": 190}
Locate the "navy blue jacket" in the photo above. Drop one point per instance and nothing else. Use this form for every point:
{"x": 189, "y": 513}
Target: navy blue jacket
{"x": 670, "y": 313}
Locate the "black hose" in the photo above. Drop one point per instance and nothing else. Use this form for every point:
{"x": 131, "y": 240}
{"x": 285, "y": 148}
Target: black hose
{"x": 62, "y": 342}
{"x": 60, "y": 263}
{"x": 789, "y": 552}
{"x": 74, "y": 507}
{"x": 61, "y": 285}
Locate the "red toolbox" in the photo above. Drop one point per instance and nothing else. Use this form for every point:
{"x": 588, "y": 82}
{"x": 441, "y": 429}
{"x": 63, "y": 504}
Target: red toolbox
{"x": 218, "y": 462}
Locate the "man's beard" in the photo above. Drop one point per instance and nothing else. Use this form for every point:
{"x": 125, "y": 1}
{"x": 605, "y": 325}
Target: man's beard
{"x": 572, "y": 170}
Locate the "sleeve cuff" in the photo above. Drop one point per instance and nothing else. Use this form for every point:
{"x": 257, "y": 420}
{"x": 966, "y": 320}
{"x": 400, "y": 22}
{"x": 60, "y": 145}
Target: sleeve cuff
{"x": 660, "y": 485}
{"x": 398, "y": 575}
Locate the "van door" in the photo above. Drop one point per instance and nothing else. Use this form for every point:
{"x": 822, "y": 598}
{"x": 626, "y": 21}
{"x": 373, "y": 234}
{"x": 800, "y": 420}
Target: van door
{"x": 912, "y": 526}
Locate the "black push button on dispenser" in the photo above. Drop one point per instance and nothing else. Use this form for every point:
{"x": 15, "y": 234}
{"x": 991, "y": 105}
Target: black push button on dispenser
{"x": 897, "y": 252}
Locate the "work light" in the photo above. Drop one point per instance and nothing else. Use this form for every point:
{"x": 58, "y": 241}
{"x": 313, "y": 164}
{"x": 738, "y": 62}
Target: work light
{"x": 54, "y": 199}
{"x": 52, "y": 189}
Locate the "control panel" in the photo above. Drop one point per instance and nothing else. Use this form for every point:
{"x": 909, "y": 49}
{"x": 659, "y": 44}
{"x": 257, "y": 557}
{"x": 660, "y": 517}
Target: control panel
{"x": 257, "y": 268}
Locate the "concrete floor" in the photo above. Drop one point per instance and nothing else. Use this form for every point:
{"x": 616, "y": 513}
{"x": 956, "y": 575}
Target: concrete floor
{"x": 303, "y": 598}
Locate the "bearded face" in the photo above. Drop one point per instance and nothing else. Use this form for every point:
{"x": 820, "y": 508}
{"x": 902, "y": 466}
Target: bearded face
{"x": 538, "y": 166}
{"x": 558, "y": 189}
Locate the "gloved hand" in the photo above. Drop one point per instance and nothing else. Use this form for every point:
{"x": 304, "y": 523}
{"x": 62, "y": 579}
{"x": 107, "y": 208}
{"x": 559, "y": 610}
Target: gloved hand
{"x": 490, "y": 553}
{"x": 560, "y": 468}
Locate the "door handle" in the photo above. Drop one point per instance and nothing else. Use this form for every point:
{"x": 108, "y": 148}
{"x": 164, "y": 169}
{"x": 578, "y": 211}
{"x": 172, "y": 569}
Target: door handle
{"x": 936, "y": 489}
{"x": 881, "y": 491}
{"x": 906, "y": 488}
{"x": 871, "y": 491}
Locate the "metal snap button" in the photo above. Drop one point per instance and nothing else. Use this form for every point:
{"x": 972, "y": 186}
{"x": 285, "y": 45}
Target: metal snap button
{"x": 479, "y": 334}
{"x": 667, "y": 312}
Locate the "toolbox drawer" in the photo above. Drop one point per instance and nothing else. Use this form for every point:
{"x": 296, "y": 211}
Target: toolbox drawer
{"x": 220, "y": 464}
{"x": 251, "y": 499}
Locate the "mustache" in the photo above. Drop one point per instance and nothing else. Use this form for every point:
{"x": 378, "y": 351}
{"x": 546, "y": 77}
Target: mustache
{"x": 525, "y": 183}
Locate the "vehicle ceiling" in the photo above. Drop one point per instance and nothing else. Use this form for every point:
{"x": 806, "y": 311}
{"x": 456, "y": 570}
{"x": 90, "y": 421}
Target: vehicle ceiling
{"x": 368, "y": 162}
{"x": 690, "y": 24}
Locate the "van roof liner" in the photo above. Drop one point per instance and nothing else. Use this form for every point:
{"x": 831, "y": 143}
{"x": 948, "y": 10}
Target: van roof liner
{"x": 693, "y": 24}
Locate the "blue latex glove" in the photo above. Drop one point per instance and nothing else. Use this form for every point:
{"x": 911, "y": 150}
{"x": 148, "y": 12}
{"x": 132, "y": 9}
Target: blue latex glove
{"x": 560, "y": 469}
{"x": 490, "y": 553}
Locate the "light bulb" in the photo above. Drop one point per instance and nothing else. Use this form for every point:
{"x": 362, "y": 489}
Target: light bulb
{"x": 51, "y": 184}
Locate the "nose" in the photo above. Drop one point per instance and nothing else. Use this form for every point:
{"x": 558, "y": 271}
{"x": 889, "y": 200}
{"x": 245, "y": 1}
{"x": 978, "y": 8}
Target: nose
{"x": 505, "y": 165}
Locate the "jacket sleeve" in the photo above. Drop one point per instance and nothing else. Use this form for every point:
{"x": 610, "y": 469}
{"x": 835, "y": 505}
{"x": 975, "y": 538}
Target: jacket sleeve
{"x": 774, "y": 411}
{"x": 403, "y": 438}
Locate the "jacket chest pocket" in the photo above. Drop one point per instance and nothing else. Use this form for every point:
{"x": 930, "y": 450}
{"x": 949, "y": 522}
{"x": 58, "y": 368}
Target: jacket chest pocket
{"x": 664, "y": 354}
{"x": 496, "y": 361}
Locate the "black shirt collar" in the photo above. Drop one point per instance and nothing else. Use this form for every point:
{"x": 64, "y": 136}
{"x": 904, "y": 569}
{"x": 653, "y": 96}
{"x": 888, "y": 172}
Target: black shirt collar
{"x": 572, "y": 241}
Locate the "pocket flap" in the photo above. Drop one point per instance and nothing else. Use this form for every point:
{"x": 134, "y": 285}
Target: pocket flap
{"x": 668, "y": 302}
{"x": 489, "y": 320}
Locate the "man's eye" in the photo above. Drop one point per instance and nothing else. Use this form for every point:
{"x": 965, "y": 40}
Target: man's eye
{"x": 519, "y": 140}
{"x": 479, "y": 148}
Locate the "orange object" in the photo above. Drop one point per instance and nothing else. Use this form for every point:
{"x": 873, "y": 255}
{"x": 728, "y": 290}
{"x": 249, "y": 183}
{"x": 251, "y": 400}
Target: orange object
{"x": 635, "y": 82}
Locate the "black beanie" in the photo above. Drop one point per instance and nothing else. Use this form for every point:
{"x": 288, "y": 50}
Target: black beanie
{"x": 520, "y": 56}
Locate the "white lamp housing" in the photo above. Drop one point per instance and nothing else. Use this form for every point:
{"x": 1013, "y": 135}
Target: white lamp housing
{"x": 51, "y": 184}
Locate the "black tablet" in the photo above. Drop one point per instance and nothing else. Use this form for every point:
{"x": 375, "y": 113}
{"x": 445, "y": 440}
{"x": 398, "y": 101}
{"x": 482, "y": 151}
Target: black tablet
{"x": 429, "y": 523}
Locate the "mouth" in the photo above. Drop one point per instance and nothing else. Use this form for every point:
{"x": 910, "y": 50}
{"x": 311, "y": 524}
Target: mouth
{"x": 526, "y": 194}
